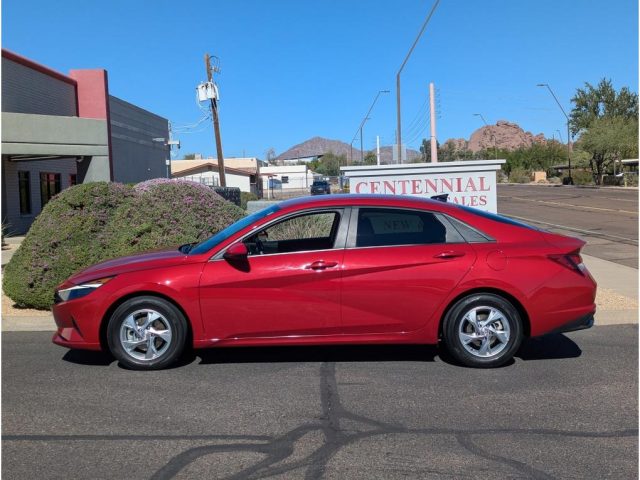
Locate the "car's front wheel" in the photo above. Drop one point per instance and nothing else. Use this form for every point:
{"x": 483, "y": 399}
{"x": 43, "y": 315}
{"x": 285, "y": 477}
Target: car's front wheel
{"x": 482, "y": 330}
{"x": 146, "y": 333}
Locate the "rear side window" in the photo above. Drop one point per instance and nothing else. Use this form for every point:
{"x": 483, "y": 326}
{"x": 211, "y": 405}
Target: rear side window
{"x": 496, "y": 217}
{"x": 389, "y": 226}
{"x": 469, "y": 233}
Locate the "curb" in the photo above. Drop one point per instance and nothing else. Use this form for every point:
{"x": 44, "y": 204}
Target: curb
{"x": 28, "y": 324}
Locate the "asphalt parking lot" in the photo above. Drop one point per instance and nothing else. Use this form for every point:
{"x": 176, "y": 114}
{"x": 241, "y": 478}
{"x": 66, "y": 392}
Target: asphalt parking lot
{"x": 567, "y": 407}
{"x": 606, "y": 218}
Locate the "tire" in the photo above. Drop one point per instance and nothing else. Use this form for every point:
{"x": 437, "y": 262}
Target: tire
{"x": 146, "y": 333}
{"x": 482, "y": 331}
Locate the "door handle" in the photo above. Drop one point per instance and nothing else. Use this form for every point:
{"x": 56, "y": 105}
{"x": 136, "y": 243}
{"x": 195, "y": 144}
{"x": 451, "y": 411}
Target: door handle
{"x": 321, "y": 265}
{"x": 450, "y": 254}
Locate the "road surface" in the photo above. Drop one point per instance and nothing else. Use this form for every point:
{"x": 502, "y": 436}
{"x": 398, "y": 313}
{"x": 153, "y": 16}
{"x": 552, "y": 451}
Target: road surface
{"x": 567, "y": 407}
{"x": 607, "y": 219}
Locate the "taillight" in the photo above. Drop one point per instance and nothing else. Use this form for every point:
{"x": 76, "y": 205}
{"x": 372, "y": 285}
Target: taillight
{"x": 571, "y": 260}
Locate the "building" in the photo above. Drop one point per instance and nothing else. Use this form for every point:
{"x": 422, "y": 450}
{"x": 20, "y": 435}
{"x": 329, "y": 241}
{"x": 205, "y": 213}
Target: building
{"x": 208, "y": 173}
{"x": 299, "y": 160}
{"x": 292, "y": 178}
{"x": 59, "y": 130}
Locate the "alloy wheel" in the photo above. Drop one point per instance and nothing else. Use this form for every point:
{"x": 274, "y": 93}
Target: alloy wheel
{"x": 484, "y": 331}
{"x": 145, "y": 334}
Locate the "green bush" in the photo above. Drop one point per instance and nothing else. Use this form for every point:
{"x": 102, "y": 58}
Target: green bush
{"x": 519, "y": 175}
{"x": 247, "y": 197}
{"x": 90, "y": 223}
{"x": 582, "y": 177}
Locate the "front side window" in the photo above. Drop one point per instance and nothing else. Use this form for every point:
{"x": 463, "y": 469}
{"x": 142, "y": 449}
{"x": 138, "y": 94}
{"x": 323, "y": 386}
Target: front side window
{"x": 232, "y": 229}
{"x": 24, "y": 184}
{"x": 313, "y": 231}
{"x": 388, "y": 226}
{"x": 49, "y": 186}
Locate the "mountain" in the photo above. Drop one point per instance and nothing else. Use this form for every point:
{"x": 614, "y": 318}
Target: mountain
{"x": 505, "y": 135}
{"x": 320, "y": 146}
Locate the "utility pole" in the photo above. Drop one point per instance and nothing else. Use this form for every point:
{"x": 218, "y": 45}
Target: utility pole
{"x": 378, "y": 149}
{"x": 364, "y": 120}
{"x": 216, "y": 123}
{"x": 399, "y": 132}
{"x": 434, "y": 142}
{"x": 568, "y": 129}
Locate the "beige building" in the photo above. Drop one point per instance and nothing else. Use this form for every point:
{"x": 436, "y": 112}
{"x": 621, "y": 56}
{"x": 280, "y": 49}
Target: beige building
{"x": 207, "y": 172}
{"x": 251, "y": 165}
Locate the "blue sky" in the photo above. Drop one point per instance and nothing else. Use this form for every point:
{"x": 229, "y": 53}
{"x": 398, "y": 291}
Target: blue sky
{"x": 296, "y": 69}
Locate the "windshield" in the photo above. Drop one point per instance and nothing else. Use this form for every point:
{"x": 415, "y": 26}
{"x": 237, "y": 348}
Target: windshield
{"x": 232, "y": 229}
{"x": 319, "y": 184}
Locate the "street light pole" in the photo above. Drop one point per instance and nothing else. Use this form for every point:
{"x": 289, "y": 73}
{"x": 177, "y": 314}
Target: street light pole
{"x": 568, "y": 131}
{"x": 424, "y": 26}
{"x": 366, "y": 117}
{"x": 495, "y": 143}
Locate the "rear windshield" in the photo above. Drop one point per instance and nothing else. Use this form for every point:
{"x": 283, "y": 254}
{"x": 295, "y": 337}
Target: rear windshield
{"x": 495, "y": 217}
{"x": 319, "y": 184}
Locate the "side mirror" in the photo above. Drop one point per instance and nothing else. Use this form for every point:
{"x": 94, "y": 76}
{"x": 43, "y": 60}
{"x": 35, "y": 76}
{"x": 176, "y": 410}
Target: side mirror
{"x": 237, "y": 251}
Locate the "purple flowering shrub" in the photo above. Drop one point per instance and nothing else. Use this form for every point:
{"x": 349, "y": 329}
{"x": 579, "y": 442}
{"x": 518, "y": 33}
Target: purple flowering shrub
{"x": 148, "y": 184}
{"x": 170, "y": 213}
{"x": 93, "y": 222}
{"x": 67, "y": 235}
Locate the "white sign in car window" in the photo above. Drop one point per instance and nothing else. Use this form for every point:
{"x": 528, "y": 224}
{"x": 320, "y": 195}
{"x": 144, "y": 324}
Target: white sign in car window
{"x": 395, "y": 223}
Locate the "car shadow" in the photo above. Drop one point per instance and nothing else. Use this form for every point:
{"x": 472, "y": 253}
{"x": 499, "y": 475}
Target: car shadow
{"x": 548, "y": 347}
{"x": 89, "y": 357}
{"x": 313, "y": 354}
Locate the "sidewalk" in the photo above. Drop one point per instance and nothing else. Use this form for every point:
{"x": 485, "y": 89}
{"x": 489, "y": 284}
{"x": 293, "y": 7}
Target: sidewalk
{"x": 617, "y": 299}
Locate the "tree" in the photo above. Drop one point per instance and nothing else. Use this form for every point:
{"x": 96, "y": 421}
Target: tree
{"x": 328, "y": 165}
{"x": 370, "y": 158}
{"x": 607, "y": 121}
{"x": 591, "y": 103}
{"x": 608, "y": 139}
{"x": 270, "y": 154}
{"x": 425, "y": 149}
{"x": 189, "y": 156}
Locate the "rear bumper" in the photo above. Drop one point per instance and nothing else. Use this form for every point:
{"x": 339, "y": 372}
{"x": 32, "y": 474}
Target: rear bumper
{"x": 581, "y": 323}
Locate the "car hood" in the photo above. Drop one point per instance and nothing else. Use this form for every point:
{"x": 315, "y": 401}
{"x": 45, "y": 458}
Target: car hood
{"x": 143, "y": 261}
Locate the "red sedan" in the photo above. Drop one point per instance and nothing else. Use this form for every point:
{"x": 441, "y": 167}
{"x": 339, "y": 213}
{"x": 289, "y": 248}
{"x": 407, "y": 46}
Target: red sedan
{"x": 342, "y": 269}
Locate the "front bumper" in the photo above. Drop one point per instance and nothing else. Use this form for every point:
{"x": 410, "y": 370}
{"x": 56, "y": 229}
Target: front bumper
{"x": 77, "y": 327}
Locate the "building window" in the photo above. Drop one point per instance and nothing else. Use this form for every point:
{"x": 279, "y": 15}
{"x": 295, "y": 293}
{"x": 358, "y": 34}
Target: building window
{"x": 285, "y": 179}
{"x": 49, "y": 186}
{"x": 24, "y": 183}
{"x": 73, "y": 179}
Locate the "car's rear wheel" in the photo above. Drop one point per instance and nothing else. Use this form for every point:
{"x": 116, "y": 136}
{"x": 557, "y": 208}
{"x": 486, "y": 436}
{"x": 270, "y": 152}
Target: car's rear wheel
{"x": 482, "y": 330}
{"x": 146, "y": 333}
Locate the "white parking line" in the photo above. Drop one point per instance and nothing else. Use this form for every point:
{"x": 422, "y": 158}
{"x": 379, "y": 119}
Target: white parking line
{"x": 572, "y": 229}
{"x": 562, "y": 204}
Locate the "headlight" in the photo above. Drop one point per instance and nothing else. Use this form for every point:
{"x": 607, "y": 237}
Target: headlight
{"x": 78, "y": 291}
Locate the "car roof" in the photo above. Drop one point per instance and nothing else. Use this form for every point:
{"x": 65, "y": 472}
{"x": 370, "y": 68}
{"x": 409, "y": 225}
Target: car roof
{"x": 350, "y": 199}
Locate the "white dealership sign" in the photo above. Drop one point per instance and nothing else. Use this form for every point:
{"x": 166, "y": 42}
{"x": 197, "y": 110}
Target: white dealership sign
{"x": 471, "y": 183}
